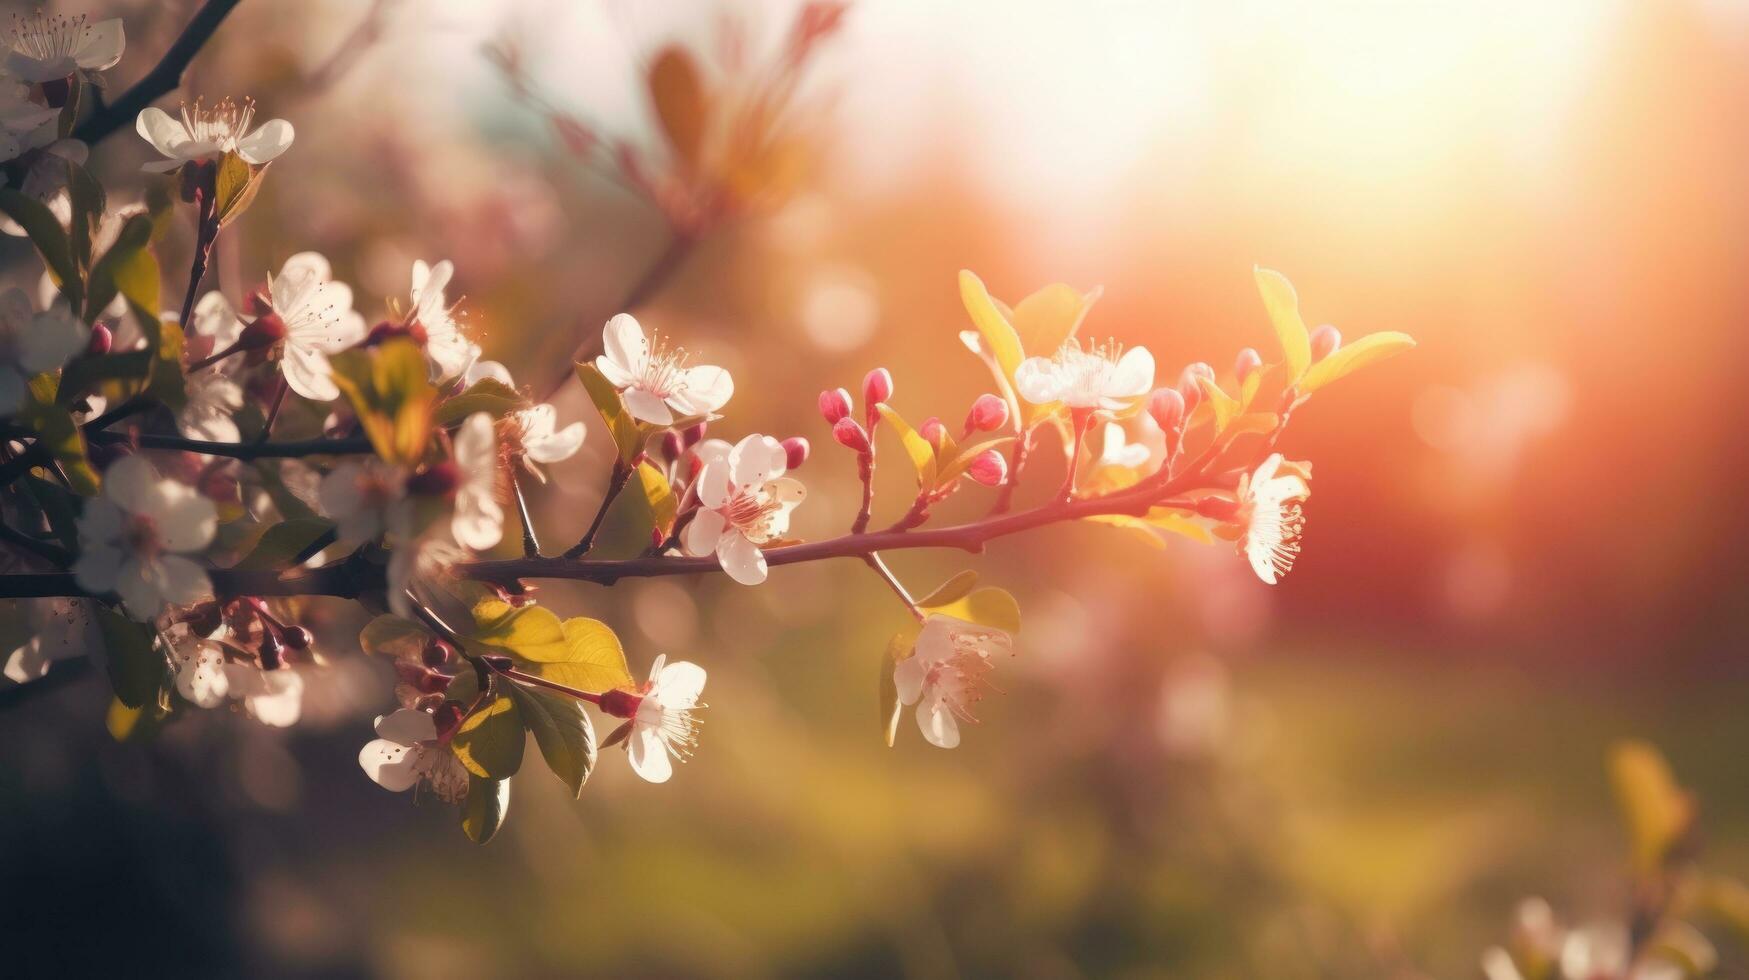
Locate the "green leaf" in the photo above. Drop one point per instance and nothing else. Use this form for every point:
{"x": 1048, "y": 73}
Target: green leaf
{"x": 1352, "y": 357}
{"x": 593, "y": 659}
{"x": 1658, "y": 812}
{"x": 646, "y": 505}
{"x": 136, "y": 667}
{"x": 988, "y": 606}
{"x": 57, "y": 431}
{"x": 561, "y": 730}
{"x": 69, "y": 117}
{"x": 921, "y": 453}
{"x": 282, "y": 542}
{"x": 484, "y": 809}
{"x": 87, "y": 204}
{"x": 531, "y": 632}
{"x": 954, "y": 588}
{"x": 490, "y": 741}
{"x": 1283, "y": 305}
{"x": 128, "y": 263}
{"x": 57, "y": 506}
{"x": 488, "y": 395}
{"x": 628, "y": 435}
{"x": 392, "y": 636}
{"x": 391, "y": 393}
{"x": 234, "y": 187}
{"x": 47, "y": 235}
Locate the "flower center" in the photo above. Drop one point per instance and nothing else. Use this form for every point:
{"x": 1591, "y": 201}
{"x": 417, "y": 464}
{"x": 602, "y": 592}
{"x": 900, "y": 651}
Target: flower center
{"x": 48, "y": 38}
{"x": 959, "y": 681}
{"x": 1275, "y": 532}
{"x": 222, "y": 124}
{"x": 676, "y": 727}
{"x": 140, "y": 532}
{"x": 1086, "y": 368}
{"x": 664, "y": 373}
{"x": 752, "y": 513}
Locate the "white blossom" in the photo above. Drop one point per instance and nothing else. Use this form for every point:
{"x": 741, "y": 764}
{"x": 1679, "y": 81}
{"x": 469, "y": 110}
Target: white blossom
{"x": 1270, "y": 518}
{"x": 658, "y": 386}
{"x": 24, "y": 124}
{"x": 407, "y": 752}
{"x": 206, "y": 132}
{"x": 447, "y": 347}
{"x": 44, "y": 48}
{"x": 319, "y": 320}
{"x": 364, "y": 498}
{"x": 478, "y": 521}
{"x": 947, "y": 673}
{"x": 745, "y": 502}
{"x": 50, "y": 630}
{"x": 1103, "y": 376}
{"x": 31, "y": 343}
{"x": 273, "y": 697}
{"x": 134, "y": 536}
{"x": 663, "y": 726}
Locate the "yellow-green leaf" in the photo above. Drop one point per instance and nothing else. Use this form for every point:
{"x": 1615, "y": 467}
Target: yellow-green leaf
{"x": 1047, "y": 318}
{"x": 234, "y": 187}
{"x": 954, "y": 588}
{"x": 988, "y": 606}
{"x": 490, "y": 741}
{"x": 392, "y": 636}
{"x": 628, "y": 436}
{"x": 391, "y": 393}
{"x": 998, "y": 334}
{"x": 1221, "y": 405}
{"x": 593, "y": 659}
{"x": 531, "y": 632}
{"x": 282, "y": 542}
{"x": 488, "y": 395}
{"x": 890, "y": 708}
{"x": 1350, "y": 358}
{"x": 921, "y": 453}
{"x": 484, "y": 810}
{"x": 1283, "y": 305}
{"x": 561, "y": 731}
{"x": 1658, "y": 812}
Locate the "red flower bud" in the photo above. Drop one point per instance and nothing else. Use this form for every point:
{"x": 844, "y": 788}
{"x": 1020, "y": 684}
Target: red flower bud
{"x": 795, "y": 450}
{"x": 437, "y": 480}
{"x": 834, "y": 405}
{"x": 258, "y": 302}
{"x": 101, "y": 340}
{"x": 1187, "y": 384}
{"x": 196, "y": 178}
{"x": 672, "y": 446}
{"x": 988, "y": 414}
{"x": 1326, "y": 340}
{"x": 851, "y": 435}
{"x": 933, "y": 432}
{"x": 263, "y": 332}
{"x": 422, "y": 678}
{"x": 1248, "y": 361}
{"x": 693, "y": 434}
{"x": 877, "y": 387}
{"x": 989, "y": 468}
{"x": 1166, "y": 405}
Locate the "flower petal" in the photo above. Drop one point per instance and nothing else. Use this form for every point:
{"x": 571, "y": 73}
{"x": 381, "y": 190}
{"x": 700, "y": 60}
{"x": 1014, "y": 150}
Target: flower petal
{"x": 266, "y": 143}
{"x": 625, "y": 347}
{"x": 649, "y": 756}
{"x": 407, "y": 726}
{"x": 741, "y": 559}
{"x": 680, "y": 684}
{"x": 1036, "y": 381}
{"x": 645, "y": 406}
{"x": 101, "y": 46}
{"x": 389, "y": 764}
{"x": 1133, "y": 375}
{"x": 308, "y": 373}
{"x": 701, "y": 536}
{"x": 940, "y": 728}
{"x": 132, "y": 483}
{"x": 163, "y": 131}
{"x": 706, "y": 388}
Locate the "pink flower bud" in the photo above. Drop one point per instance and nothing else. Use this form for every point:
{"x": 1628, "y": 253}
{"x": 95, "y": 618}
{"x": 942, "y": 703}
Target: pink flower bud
{"x": 834, "y": 405}
{"x": 1187, "y": 384}
{"x": 671, "y": 446}
{"x": 988, "y": 414}
{"x": 795, "y": 451}
{"x": 1326, "y": 340}
{"x": 438, "y": 480}
{"x": 989, "y": 468}
{"x": 101, "y": 340}
{"x": 877, "y": 387}
{"x": 693, "y": 434}
{"x": 263, "y": 332}
{"x": 933, "y": 432}
{"x": 1218, "y": 508}
{"x": 851, "y": 435}
{"x": 1166, "y": 405}
{"x": 448, "y": 717}
{"x": 1248, "y": 361}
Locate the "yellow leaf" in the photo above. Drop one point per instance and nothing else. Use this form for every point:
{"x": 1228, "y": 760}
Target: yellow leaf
{"x": 485, "y": 807}
{"x": 592, "y": 660}
{"x": 1284, "y": 312}
{"x": 954, "y": 588}
{"x": 1219, "y": 402}
{"x": 490, "y": 741}
{"x": 532, "y": 633}
{"x": 1050, "y": 316}
{"x": 628, "y": 436}
{"x": 998, "y": 334}
{"x": 922, "y": 454}
{"x": 986, "y": 607}
{"x": 1368, "y": 349}
{"x": 1657, "y": 811}
{"x": 678, "y": 95}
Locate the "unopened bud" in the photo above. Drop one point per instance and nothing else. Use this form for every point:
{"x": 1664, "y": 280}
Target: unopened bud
{"x": 1166, "y": 405}
{"x": 933, "y": 432}
{"x": 206, "y": 618}
{"x": 448, "y": 717}
{"x": 989, "y": 468}
{"x": 1326, "y": 340}
{"x": 1248, "y": 361}
{"x": 437, "y": 480}
{"x": 988, "y": 414}
{"x": 262, "y": 332}
{"x": 437, "y": 652}
{"x": 296, "y": 637}
{"x": 1188, "y": 386}
{"x": 270, "y": 652}
{"x": 619, "y": 703}
{"x": 851, "y": 435}
{"x": 1218, "y": 508}
{"x": 101, "y": 340}
{"x": 693, "y": 434}
{"x": 672, "y": 446}
{"x": 877, "y": 387}
{"x": 795, "y": 452}
{"x": 834, "y": 405}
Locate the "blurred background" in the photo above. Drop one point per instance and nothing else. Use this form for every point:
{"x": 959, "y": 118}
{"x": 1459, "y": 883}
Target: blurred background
{"x": 1525, "y": 541}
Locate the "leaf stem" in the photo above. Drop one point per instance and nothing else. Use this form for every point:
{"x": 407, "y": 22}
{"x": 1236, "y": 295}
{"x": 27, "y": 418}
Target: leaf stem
{"x": 622, "y": 473}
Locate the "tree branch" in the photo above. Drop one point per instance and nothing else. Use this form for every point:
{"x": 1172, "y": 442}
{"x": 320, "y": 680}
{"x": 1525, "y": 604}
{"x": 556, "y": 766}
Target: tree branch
{"x": 161, "y": 80}
{"x": 289, "y": 449}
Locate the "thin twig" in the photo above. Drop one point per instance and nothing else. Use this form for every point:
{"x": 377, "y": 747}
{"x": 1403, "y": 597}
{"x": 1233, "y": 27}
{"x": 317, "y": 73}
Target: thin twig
{"x": 651, "y": 282}
{"x": 874, "y": 561}
{"x": 530, "y": 543}
{"x": 289, "y": 449}
{"x": 622, "y": 474}
{"x": 161, "y": 80}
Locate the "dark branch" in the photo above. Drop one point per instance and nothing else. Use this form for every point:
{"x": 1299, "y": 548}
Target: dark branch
{"x": 289, "y": 449}
{"x": 161, "y": 80}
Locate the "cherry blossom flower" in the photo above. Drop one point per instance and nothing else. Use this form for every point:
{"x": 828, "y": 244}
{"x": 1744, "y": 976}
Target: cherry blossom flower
{"x": 135, "y": 534}
{"x": 45, "y": 48}
{"x": 1145, "y": 454}
{"x": 531, "y": 433}
{"x": 478, "y": 522}
{"x": 213, "y": 395}
{"x": 1270, "y": 518}
{"x": 316, "y": 318}
{"x": 201, "y": 677}
{"x": 364, "y": 498}
{"x": 54, "y": 629}
{"x": 22, "y": 122}
{"x": 658, "y": 386}
{"x": 487, "y": 370}
{"x": 1102, "y": 376}
{"x": 407, "y": 752}
{"x": 746, "y": 502}
{"x": 274, "y": 698}
{"x": 206, "y": 132}
{"x": 31, "y": 343}
{"x": 663, "y": 726}
{"x": 448, "y": 349}
{"x": 948, "y": 673}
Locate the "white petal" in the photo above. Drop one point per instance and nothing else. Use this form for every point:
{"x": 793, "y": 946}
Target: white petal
{"x": 556, "y": 446}
{"x": 645, "y": 406}
{"x": 407, "y": 726}
{"x": 702, "y": 534}
{"x": 97, "y": 569}
{"x": 265, "y": 144}
{"x": 1036, "y": 381}
{"x": 136, "y": 582}
{"x": 625, "y": 347}
{"x": 187, "y": 522}
{"x": 908, "y": 677}
{"x": 202, "y": 679}
{"x": 714, "y": 483}
{"x": 938, "y": 724}
{"x": 481, "y": 370}
{"x": 649, "y": 756}
{"x": 308, "y": 373}
{"x": 1133, "y": 376}
{"x": 391, "y": 765}
{"x": 181, "y": 580}
{"x": 756, "y": 459}
{"x": 132, "y": 483}
{"x": 162, "y": 130}
{"x": 281, "y": 701}
{"x": 741, "y": 558}
{"x": 680, "y": 684}
{"x": 707, "y": 388}
{"x": 102, "y": 45}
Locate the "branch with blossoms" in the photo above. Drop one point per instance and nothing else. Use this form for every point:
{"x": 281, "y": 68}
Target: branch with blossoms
{"x": 177, "y": 487}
